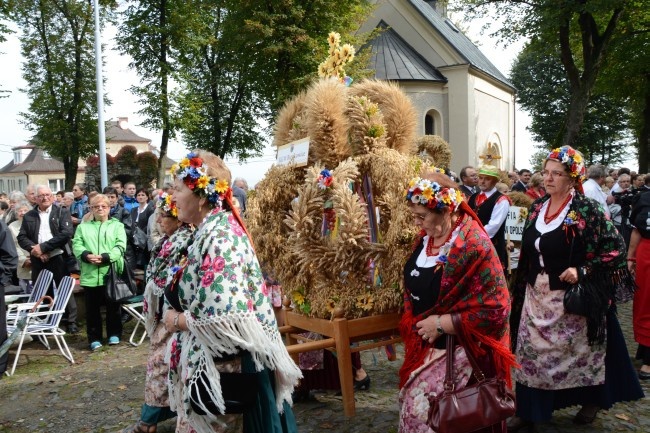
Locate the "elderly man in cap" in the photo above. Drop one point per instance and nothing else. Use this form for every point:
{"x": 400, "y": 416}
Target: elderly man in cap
{"x": 492, "y": 207}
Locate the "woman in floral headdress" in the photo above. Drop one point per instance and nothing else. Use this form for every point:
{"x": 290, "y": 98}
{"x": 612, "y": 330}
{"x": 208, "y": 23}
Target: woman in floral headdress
{"x": 221, "y": 313}
{"x": 165, "y": 256}
{"x": 454, "y": 285}
{"x": 568, "y": 359}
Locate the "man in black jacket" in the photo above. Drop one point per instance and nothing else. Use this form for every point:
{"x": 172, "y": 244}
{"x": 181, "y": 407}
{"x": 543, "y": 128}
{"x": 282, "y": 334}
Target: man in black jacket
{"x": 46, "y": 232}
{"x": 8, "y": 262}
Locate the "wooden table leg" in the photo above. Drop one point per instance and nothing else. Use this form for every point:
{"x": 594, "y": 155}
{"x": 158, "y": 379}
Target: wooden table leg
{"x": 345, "y": 365}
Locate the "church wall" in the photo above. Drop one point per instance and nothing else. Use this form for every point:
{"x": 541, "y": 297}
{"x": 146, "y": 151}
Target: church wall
{"x": 426, "y": 97}
{"x": 494, "y": 114}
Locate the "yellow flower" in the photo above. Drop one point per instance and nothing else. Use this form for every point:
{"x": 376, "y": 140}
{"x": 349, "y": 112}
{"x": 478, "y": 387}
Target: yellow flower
{"x": 364, "y": 302}
{"x": 333, "y": 39}
{"x": 412, "y": 182}
{"x": 459, "y": 196}
{"x": 174, "y": 169}
{"x": 347, "y": 52}
{"x": 221, "y": 186}
{"x": 298, "y": 298}
{"x": 202, "y": 182}
{"x": 331, "y": 305}
{"x": 185, "y": 163}
{"x": 427, "y": 193}
{"x": 322, "y": 69}
{"x": 577, "y": 158}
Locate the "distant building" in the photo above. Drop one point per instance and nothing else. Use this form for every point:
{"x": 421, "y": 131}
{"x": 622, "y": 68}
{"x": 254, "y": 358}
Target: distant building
{"x": 459, "y": 94}
{"x": 33, "y": 165}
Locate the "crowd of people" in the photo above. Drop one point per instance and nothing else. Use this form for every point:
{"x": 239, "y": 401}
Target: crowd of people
{"x": 210, "y": 314}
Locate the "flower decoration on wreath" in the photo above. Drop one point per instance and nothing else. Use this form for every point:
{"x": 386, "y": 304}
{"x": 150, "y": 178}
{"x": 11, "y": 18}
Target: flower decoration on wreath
{"x": 194, "y": 173}
{"x": 432, "y": 195}
{"x": 325, "y": 179}
{"x": 166, "y": 205}
{"x": 338, "y": 57}
{"x": 570, "y": 157}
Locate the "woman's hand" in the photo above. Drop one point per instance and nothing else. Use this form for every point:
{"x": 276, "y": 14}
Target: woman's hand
{"x": 570, "y": 275}
{"x": 171, "y": 320}
{"x": 427, "y": 329}
{"x": 631, "y": 266}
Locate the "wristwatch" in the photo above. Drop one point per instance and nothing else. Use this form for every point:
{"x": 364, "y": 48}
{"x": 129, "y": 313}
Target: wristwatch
{"x": 439, "y": 329}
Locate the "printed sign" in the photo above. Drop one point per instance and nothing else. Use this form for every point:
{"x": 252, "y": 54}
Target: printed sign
{"x": 515, "y": 222}
{"x": 294, "y": 153}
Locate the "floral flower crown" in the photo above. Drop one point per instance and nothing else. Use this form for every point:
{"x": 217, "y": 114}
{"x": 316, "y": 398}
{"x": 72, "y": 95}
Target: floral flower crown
{"x": 432, "y": 194}
{"x": 166, "y": 205}
{"x": 570, "y": 157}
{"x": 194, "y": 173}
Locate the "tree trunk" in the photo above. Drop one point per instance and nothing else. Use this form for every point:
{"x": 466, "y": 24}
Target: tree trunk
{"x": 164, "y": 74}
{"x": 70, "y": 168}
{"x": 644, "y": 134}
{"x": 575, "y": 116}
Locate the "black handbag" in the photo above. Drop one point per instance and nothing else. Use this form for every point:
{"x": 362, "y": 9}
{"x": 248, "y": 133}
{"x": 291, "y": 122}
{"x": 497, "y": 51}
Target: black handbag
{"x": 239, "y": 392}
{"x": 119, "y": 288}
{"x": 575, "y": 300}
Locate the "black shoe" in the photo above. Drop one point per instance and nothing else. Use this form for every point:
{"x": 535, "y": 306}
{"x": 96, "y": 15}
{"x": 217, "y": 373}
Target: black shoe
{"x": 516, "y": 423}
{"x": 363, "y": 384}
{"x": 586, "y": 415}
{"x": 72, "y": 329}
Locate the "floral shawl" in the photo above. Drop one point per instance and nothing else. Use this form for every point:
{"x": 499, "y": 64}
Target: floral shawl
{"x": 167, "y": 253}
{"x": 603, "y": 268}
{"x": 228, "y": 310}
{"x": 474, "y": 287}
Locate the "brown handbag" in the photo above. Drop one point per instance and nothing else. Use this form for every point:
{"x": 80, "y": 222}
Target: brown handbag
{"x": 479, "y": 405}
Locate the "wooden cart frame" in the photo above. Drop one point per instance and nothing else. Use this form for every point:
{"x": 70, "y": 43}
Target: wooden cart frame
{"x": 368, "y": 332}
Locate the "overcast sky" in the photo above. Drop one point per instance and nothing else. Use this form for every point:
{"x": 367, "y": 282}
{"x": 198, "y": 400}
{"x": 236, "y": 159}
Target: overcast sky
{"x": 123, "y": 104}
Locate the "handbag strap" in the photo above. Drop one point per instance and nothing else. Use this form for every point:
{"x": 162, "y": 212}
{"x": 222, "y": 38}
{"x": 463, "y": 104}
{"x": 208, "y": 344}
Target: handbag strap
{"x": 450, "y": 381}
{"x": 478, "y": 373}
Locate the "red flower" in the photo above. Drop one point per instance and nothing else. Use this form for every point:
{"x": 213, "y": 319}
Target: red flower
{"x": 207, "y": 279}
{"x": 328, "y": 181}
{"x": 582, "y": 224}
{"x": 191, "y": 184}
{"x": 196, "y": 162}
{"x": 218, "y": 264}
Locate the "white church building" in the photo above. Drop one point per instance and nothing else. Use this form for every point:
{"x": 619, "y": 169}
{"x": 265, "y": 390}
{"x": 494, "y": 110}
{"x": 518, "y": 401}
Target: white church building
{"x": 459, "y": 94}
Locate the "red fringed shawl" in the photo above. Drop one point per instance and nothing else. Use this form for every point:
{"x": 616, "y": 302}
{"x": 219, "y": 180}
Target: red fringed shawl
{"x": 473, "y": 285}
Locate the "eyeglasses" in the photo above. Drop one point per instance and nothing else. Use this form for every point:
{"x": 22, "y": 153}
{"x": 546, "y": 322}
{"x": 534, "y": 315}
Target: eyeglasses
{"x": 100, "y": 206}
{"x": 553, "y": 173}
{"x": 44, "y": 196}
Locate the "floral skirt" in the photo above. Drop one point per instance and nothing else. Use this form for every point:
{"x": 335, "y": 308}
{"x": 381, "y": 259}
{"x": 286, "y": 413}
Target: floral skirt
{"x": 552, "y": 346}
{"x": 428, "y": 379}
{"x": 155, "y": 386}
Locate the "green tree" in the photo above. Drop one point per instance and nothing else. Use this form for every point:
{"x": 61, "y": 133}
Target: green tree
{"x": 289, "y": 37}
{"x": 246, "y": 58}
{"x": 544, "y": 91}
{"x": 219, "y": 103}
{"x": 4, "y": 29}
{"x": 148, "y": 32}
{"x": 57, "y": 44}
{"x": 583, "y": 30}
{"x": 626, "y": 77}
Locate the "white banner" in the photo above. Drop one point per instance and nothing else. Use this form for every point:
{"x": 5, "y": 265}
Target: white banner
{"x": 294, "y": 153}
{"x": 515, "y": 223}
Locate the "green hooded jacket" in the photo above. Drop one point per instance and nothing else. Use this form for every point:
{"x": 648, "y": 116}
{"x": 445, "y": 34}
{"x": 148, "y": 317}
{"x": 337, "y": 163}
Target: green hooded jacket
{"x": 107, "y": 238}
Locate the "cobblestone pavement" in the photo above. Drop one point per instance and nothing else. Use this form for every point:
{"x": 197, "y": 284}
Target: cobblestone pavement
{"x": 103, "y": 391}
{"x": 377, "y": 409}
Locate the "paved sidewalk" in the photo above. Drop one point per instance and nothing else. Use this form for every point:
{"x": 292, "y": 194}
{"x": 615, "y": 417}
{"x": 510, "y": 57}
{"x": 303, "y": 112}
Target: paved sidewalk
{"x": 377, "y": 410}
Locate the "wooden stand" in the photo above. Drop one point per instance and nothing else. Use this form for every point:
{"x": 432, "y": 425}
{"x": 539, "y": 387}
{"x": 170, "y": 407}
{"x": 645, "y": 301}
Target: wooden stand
{"x": 341, "y": 333}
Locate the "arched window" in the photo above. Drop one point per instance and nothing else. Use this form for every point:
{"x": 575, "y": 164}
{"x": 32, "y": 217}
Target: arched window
{"x": 433, "y": 123}
{"x": 429, "y": 124}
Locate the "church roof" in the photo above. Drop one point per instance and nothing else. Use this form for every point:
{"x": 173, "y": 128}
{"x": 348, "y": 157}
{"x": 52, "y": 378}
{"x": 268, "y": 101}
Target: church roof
{"x": 394, "y": 59}
{"x": 461, "y": 43}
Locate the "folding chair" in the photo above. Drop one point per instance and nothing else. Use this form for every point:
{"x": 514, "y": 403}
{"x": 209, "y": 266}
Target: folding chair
{"x": 134, "y": 307}
{"x": 41, "y": 285}
{"x": 45, "y": 323}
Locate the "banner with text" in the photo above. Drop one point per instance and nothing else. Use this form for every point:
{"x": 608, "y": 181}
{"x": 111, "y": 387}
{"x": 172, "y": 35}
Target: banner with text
{"x": 515, "y": 222}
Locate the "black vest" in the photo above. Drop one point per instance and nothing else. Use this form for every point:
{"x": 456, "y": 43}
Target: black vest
{"x": 484, "y": 213}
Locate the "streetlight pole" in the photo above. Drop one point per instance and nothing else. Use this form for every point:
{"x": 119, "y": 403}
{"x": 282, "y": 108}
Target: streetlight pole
{"x": 100, "y": 99}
